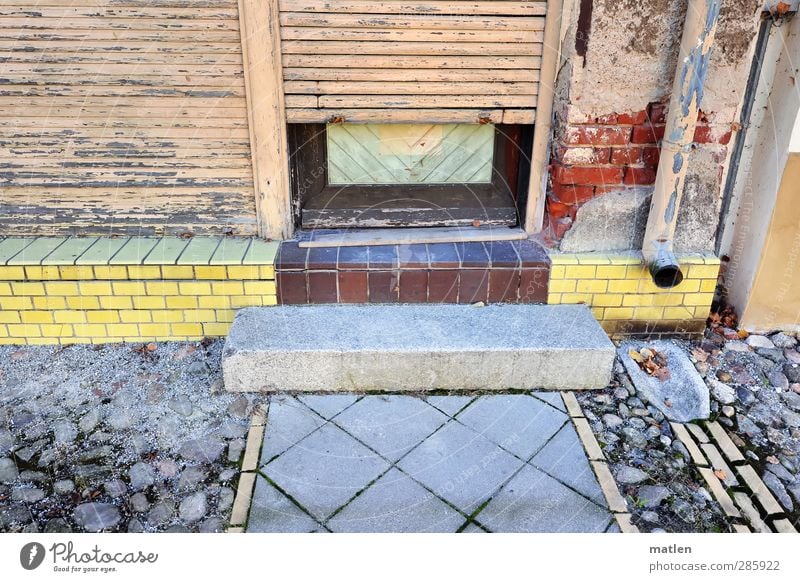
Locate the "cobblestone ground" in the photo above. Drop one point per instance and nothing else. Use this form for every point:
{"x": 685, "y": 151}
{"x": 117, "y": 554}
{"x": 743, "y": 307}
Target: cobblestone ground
{"x": 118, "y": 438}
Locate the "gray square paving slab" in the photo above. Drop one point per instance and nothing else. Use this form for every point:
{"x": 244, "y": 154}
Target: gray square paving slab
{"x": 552, "y": 398}
{"x": 472, "y": 528}
{"x": 391, "y": 425}
{"x": 271, "y": 511}
{"x": 460, "y": 465}
{"x": 324, "y": 470}
{"x": 519, "y": 423}
{"x": 450, "y": 405}
{"x": 328, "y": 405}
{"x": 563, "y": 457}
{"x": 288, "y": 421}
{"x": 534, "y": 502}
{"x": 396, "y": 503}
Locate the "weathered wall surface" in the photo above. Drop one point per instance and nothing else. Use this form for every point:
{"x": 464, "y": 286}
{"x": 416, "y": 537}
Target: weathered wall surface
{"x": 617, "y": 70}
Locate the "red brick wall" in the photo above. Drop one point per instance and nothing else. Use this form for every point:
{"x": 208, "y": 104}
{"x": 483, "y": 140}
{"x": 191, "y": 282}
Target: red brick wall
{"x": 612, "y": 152}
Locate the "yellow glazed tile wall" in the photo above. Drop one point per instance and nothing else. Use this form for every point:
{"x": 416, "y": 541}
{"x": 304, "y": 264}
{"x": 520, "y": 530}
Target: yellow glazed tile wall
{"x": 623, "y": 298}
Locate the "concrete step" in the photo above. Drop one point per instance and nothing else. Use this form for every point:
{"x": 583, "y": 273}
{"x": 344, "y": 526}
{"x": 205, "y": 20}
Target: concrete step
{"x": 416, "y": 347}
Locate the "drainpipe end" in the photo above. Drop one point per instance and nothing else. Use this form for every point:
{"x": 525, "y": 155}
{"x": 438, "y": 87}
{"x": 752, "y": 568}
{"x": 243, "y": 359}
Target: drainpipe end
{"x": 665, "y": 270}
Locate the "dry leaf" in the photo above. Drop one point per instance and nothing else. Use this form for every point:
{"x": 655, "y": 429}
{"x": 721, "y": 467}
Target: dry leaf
{"x": 772, "y": 460}
{"x": 721, "y": 475}
{"x": 635, "y": 356}
{"x": 151, "y": 347}
{"x": 699, "y": 354}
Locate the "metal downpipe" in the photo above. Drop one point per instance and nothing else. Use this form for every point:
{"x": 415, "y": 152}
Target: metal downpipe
{"x": 687, "y": 93}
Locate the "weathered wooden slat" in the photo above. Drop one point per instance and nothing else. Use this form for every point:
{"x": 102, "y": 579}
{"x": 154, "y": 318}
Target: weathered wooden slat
{"x": 106, "y": 24}
{"x": 406, "y": 88}
{"x": 525, "y": 116}
{"x": 300, "y": 101}
{"x": 209, "y": 105}
{"x": 125, "y": 91}
{"x": 395, "y": 115}
{"x": 436, "y": 22}
{"x": 423, "y": 101}
{"x": 119, "y": 57}
{"x": 16, "y": 175}
{"x": 109, "y": 34}
{"x": 99, "y": 153}
{"x": 78, "y": 110}
{"x": 410, "y": 62}
{"x": 409, "y": 34}
{"x": 169, "y": 147}
{"x": 47, "y": 131}
{"x": 499, "y": 7}
{"x": 393, "y": 75}
{"x": 165, "y": 46}
{"x": 140, "y": 124}
{"x": 133, "y": 69}
{"x": 118, "y": 78}
{"x": 43, "y": 9}
{"x": 127, "y": 3}
{"x": 301, "y": 47}
{"x": 57, "y": 163}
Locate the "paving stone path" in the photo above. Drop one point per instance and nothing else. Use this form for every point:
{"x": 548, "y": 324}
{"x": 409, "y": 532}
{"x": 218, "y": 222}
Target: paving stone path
{"x": 493, "y": 463}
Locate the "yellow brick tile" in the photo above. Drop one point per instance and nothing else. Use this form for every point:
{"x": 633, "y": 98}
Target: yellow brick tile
{"x": 103, "y": 316}
{"x": 134, "y": 316}
{"x": 83, "y": 303}
{"x": 116, "y": 302}
{"x": 269, "y": 300}
{"x": 239, "y": 301}
{"x": 10, "y": 317}
{"x": 618, "y": 313}
{"x": 243, "y": 272}
{"x": 702, "y": 311}
{"x": 623, "y": 286}
{"x": 598, "y": 313}
{"x": 562, "y": 286}
{"x": 625, "y": 258}
{"x": 12, "y": 273}
{"x": 557, "y": 272}
{"x": 103, "y": 340}
{"x": 227, "y": 288}
{"x": 648, "y": 312}
{"x": 559, "y": 259}
{"x": 133, "y": 339}
{"x": 692, "y": 259}
{"x": 576, "y": 298}
{"x": 69, "y": 316}
{"x": 213, "y": 302}
{"x": 27, "y": 288}
{"x": 199, "y": 315}
{"x": 128, "y": 288}
{"x": 161, "y": 288}
{"x": 579, "y": 272}
{"x": 611, "y": 272}
{"x": 259, "y": 287}
{"x": 90, "y": 330}
{"x": 3, "y": 331}
{"x": 24, "y": 330}
{"x": 148, "y": 302}
{"x": 702, "y": 272}
{"x": 592, "y": 259}
{"x": 95, "y": 287}
{"x": 154, "y": 329}
{"x": 49, "y": 302}
{"x": 707, "y": 285}
{"x": 110, "y": 272}
{"x": 76, "y": 272}
{"x": 637, "y": 272}
{"x": 194, "y": 288}
{"x": 667, "y": 298}
{"x": 266, "y": 272}
{"x": 61, "y": 288}
{"x": 11, "y": 341}
{"x": 700, "y": 299}
{"x": 678, "y": 313}
{"x": 57, "y": 330}
{"x": 553, "y": 298}
{"x": 177, "y": 271}
{"x": 144, "y": 271}
{"x": 210, "y": 272}
{"x": 213, "y": 329}
{"x": 41, "y": 341}
{"x": 15, "y": 303}
{"x": 181, "y": 302}
{"x": 606, "y": 300}
{"x": 592, "y": 286}
{"x": 187, "y": 329}
{"x": 167, "y": 316}
{"x": 635, "y": 300}
{"x": 41, "y": 273}
{"x": 688, "y": 286}
{"x": 224, "y": 315}
{"x": 36, "y": 317}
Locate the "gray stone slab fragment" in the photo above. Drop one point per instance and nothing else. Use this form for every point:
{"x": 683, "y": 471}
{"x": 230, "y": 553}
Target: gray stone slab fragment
{"x": 395, "y": 503}
{"x": 564, "y": 458}
{"x": 472, "y": 528}
{"x": 391, "y": 425}
{"x": 552, "y": 398}
{"x": 416, "y": 347}
{"x": 450, "y": 405}
{"x": 460, "y": 465}
{"x": 519, "y": 423}
{"x": 325, "y": 470}
{"x": 327, "y": 405}
{"x": 288, "y": 421}
{"x": 683, "y": 397}
{"x": 535, "y": 502}
{"x": 272, "y": 512}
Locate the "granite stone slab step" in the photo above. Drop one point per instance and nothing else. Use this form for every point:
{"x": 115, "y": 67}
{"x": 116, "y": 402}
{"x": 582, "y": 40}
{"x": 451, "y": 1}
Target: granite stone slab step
{"x": 416, "y": 347}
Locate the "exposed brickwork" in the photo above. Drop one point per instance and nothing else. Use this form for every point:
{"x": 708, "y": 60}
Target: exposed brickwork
{"x": 592, "y": 156}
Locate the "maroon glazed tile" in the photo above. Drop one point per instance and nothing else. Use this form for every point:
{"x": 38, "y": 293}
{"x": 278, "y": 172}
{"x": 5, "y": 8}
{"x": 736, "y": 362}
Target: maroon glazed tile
{"x": 382, "y": 257}
{"x": 413, "y": 256}
{"x": 443, "y": 256}
{"x": 290, "y": 256}
{"x": 353, "y": 287}
{"x": 353, "y": 258}
{"x": 322, "y": 287}
{"x": 532, "y": 254}
{"x": 533, "y": 285}
{"x": 504, "y": 285}
{"x": 442, "y": 286}
{"x": 473, "y": 255}
{"x": 292, "y": 287}
{"x": 473, "y": 286}
{"x": 502, "y": 253}
{"x": 413, "y": 286}
{"x": 322, "y": 258}
{"x": 383, "y": 286}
